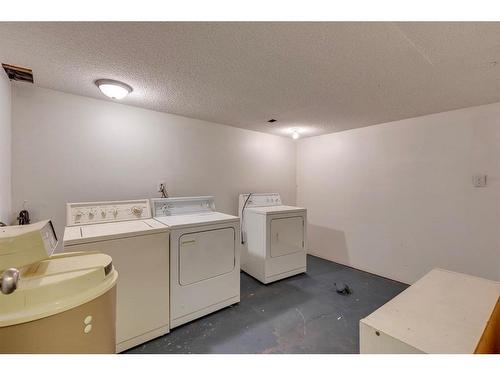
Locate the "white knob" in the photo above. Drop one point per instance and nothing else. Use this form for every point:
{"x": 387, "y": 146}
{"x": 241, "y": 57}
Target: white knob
{"x": 115, "y": 212}
{"x": 136, "y": 210}
{"x": 78, "y": 213}
{"x": 103, "y": 213}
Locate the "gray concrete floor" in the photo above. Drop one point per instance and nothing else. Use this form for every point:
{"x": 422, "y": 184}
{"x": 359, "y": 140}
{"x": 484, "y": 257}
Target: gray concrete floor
{"x": 301, "y": 314}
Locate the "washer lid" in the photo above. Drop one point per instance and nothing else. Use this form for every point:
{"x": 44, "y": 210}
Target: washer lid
{"x": 206, "y": 218}
{"x": 105, "y": 231}
{"x": 275, "y": 209}
{"x": 57, "y": 284}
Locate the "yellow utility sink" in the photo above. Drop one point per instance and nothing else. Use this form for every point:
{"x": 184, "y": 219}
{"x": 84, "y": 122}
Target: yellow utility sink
{"x": 63, "y": 304}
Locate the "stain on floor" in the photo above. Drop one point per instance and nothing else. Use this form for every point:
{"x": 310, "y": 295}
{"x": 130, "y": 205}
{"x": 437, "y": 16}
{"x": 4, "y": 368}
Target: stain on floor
{"x": 301, "y": 314}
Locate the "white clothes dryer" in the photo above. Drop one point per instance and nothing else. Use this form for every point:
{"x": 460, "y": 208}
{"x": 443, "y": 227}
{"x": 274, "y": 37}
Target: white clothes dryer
{"x": 204, "y": 256}
{"x": 273, "y": 237}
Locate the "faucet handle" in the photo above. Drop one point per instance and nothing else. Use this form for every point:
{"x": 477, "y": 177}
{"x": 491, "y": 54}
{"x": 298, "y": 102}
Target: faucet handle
{"x": 8, "y": 280}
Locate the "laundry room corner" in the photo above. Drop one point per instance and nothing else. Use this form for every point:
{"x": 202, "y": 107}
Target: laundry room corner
{"x": 404, "y": 191}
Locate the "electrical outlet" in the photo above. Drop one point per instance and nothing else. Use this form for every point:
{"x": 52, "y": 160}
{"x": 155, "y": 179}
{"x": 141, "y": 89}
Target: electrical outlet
{"x": 479, "y": 180}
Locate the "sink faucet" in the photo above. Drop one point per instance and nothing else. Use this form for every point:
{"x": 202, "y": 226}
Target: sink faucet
{"x": 8, "y": 280}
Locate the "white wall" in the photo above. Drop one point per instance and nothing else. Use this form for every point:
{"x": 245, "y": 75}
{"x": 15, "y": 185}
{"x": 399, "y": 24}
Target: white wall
{"x": 68, "y": 148}
{"x": 394, "y": 199}
{"x": 5, "y": 149}
{"x": 397, "y": 199}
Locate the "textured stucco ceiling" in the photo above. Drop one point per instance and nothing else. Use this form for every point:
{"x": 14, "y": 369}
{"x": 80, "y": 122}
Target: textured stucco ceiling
{"x": 319, "y": 77}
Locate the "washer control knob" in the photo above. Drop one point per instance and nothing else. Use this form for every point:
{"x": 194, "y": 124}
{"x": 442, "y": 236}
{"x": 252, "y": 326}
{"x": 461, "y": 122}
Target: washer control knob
{"x": 78, "y": 214}
{"x": 103, "y": 213}
{"x": 115, "y": 212}
{"x": 136, "y": 210}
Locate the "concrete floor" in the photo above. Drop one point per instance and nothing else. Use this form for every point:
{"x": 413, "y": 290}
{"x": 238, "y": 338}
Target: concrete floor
{"x": 301, "y": 314}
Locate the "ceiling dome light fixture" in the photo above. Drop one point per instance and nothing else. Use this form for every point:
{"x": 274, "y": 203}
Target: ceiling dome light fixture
{"x": 113, "y": 89}
{"x": 295, "y": 134}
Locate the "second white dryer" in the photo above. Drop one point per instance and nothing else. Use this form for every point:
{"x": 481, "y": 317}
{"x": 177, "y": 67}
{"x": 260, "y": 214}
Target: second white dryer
{"x": 273, "y": 237}
{"x": 204, "y": 256}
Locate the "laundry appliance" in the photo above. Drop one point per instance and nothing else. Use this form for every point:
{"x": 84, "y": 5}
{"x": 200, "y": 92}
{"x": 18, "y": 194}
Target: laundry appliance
{"x": 204, "y": 256}
{"x": 273, "y": 236}
{"x": 139, "y": 247}
{"x": 63, "y": 303}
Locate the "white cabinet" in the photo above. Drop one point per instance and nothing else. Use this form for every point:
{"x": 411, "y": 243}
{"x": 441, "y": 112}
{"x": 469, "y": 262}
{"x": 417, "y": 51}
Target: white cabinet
{"x": 442, "y": 313}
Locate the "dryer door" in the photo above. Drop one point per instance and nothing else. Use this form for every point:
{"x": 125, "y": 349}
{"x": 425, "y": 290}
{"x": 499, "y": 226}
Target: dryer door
{"x": 206, "y": 254}
{"x": 287, "y": 235}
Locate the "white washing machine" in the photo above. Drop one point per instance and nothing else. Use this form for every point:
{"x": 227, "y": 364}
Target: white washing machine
{"x": 204, "y": 256}
{"x": 139, "y": 247}
{"x": 273, "y": 237}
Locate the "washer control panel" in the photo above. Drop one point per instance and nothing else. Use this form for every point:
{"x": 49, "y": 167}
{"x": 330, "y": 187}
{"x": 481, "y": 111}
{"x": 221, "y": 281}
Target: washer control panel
{"x": 109, "y": 211}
